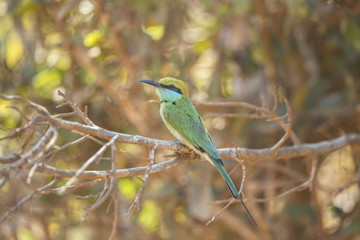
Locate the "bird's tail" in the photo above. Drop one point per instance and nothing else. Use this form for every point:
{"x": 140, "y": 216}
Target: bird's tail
{"x": 232, "y": 188}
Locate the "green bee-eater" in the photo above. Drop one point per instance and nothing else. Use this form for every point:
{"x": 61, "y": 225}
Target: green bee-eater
{"x": 181, "y": 118}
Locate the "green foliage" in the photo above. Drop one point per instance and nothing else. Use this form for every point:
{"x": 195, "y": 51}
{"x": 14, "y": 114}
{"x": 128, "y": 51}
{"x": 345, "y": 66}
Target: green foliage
{"x": 24, "y": 234}
{"x": 128, "y": 187}
{"x": 93, "y": 38}
{"x": 351, "y": 31}
{"x": 13, "y": 49}
{"x": 46, "y": 81}
{"x": 155, "y": 32}
{"x": 149, "y": 216}
{"x": 8, "y": 117}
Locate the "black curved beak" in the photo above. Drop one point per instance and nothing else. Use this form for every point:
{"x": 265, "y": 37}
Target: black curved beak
{"x": 152, "y": 83}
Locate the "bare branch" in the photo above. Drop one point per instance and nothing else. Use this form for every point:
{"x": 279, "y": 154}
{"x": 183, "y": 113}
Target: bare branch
{"x": 137, "y": 201}
{"x": 75, "y": 186}
{"x": 87, "y": 164}
{"x": 116, "y": 213}
{"x": 37, "y": 107}
{"x": 43, "y": 144}
{"x": 82, "y": 115}
{"x": 236, "y": 115}
{"x": 38, "y": 149}
{"x": 299, "y": 150}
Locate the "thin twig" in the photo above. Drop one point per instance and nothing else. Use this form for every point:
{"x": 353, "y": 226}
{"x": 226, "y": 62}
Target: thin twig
{"x": 44, "y": 143}
{"x": 116, "y": 214}
{"x": 220, "y": 212}
{"x": 87, "y": 164}
{"x": 236, "y": 115}
{"x": 79, "y": 113}
{"x": 137, "y": 200}
{"x": 100, "y": 199}
{"x": 288, "y": 130}
{"x": 241, "y": 191}
{"x": 307, "y": 184}
{"x": 114, "y": 190}
{"x": 27, "y": 198}
{"x": 107, "y": 190}
{"x": 74, "y": 186}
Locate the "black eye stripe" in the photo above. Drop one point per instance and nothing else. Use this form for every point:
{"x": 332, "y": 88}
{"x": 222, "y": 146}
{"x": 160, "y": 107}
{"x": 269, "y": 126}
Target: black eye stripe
{"x": 175, "y": 89}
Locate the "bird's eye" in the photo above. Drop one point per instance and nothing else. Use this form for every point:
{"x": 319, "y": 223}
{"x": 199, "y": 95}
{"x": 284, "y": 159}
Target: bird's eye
{"x": 172, "y": 86}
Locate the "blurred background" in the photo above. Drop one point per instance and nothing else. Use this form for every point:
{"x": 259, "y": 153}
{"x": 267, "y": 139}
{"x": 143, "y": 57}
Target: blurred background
{"x": 305, "y": 50}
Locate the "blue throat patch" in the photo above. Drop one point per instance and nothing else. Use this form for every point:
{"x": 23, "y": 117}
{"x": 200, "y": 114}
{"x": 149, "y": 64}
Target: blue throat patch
{"x": 167, "y": 95}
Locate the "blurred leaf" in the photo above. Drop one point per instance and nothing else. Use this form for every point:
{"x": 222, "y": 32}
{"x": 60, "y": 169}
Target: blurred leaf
{"x": 351, "y": 31}
{"x": 8, "y": 117}
{"x": 6, "y": 24}
{"x": 24, "y": 234}
{"x": 13, "y": 49}
{"x": 353, "y": 228}
{"x": 149, "y": 216}
{"x": 180, "y": 215}
{"x": 299, "y": 97}
{"x": 53, "y": 39}
{"x": 53, "y": 229}
{"x": 334, "y": 172}
{"x": 64, "y": 62}
{"x": 28, "y": 20}
{"x": 128, "y": 187}
{"x": 242, "y": 6}
{"x": 155, "y": 32}
{"x": 297, "y": 8}
{"x": 93, "y": 38}
{"x": 25, "y": 5}
{"x": 46, "y": 81}
{"x": 6, "y": 186}
{"x": 78, "y": 233}
{"x": 201, "y": 46}
{"x": 257, "y": 54}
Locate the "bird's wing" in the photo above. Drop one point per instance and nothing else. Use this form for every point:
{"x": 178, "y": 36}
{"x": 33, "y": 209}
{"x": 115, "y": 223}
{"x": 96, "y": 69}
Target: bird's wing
{"x": 189, "y": 125}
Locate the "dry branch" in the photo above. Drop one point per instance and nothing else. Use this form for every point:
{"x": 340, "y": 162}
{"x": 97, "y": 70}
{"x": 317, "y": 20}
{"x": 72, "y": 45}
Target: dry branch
{"x": 35, "y": 156}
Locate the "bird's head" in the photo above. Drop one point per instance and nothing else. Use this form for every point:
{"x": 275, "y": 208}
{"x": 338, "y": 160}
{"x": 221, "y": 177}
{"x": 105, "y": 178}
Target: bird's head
{"x": 169, "y": 89}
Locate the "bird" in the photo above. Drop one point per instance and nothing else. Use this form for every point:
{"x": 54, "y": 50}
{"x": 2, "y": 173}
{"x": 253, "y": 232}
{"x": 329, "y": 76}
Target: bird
{"x": 183, "y": 121}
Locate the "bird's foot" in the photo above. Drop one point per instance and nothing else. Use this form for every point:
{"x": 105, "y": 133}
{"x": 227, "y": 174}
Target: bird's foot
{"x": 175, "y": 154}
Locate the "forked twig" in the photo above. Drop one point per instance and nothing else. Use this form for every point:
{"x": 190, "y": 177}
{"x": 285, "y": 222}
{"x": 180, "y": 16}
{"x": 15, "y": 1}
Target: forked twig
{"x": 81, "y": 114}
{"x": 87, "y": 164}
{"x": 288, "y": 129}
{"x": 135, "y": 205}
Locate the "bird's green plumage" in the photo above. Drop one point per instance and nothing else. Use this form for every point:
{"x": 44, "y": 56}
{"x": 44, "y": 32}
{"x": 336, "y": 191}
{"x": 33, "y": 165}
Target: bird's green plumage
{"x": 185, "y": 123}
{"x": 181, "y": 118}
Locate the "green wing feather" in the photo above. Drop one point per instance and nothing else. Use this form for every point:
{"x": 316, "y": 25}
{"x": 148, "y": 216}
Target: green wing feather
{"x": 183, "y": 117}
